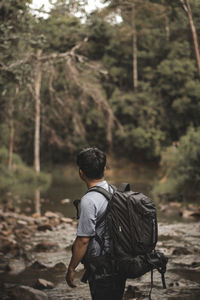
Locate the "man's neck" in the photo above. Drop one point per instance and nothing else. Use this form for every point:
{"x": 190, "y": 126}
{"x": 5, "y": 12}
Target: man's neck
{"x": 91, "y": 183}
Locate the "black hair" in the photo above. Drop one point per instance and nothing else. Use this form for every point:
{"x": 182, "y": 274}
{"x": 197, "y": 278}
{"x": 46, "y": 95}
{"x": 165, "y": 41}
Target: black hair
{"x": 92, "y": 162}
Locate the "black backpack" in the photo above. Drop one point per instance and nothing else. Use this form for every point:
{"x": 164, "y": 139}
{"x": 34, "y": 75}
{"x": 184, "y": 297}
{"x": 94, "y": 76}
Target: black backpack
{"x": 132, "y": 222}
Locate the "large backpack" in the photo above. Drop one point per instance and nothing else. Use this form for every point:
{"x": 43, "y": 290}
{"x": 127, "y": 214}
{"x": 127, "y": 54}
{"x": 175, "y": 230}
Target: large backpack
{"x": 132, "y": 223}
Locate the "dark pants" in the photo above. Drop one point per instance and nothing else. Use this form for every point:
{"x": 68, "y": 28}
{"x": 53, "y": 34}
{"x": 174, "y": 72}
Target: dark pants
{"x": 107, "y": 288}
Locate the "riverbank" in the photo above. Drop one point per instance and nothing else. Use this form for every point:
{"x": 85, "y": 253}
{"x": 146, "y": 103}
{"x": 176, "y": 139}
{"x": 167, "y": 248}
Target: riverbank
{"x": 35, "y": 250}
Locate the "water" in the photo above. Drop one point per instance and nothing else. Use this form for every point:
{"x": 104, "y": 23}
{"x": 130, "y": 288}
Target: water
{"x": 66, "y": 183}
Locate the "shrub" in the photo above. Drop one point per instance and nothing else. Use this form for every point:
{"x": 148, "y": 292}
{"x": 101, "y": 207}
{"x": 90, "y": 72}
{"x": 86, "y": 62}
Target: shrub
{"x": 180, "y": 167}
{"x": 21, "y": 179}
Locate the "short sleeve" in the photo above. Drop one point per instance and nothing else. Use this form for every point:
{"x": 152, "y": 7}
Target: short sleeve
{"x": 88, "y": 216}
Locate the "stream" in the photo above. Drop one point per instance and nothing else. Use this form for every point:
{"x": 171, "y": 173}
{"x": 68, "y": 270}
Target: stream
{"x": 41, "y": 245}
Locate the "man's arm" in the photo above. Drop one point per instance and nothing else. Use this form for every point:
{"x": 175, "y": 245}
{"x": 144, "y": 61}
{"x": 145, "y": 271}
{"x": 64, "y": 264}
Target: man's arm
{"x": 79, "y": 249}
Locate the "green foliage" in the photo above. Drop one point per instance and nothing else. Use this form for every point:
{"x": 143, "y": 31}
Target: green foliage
{"x": 21, "y": 180}
{"x": 99, "y": 35}
{"x": 61, "y": 32}
{"x": 4, "y": 135}
{"x": 139, "y": 143}
{"x": 75, "y": 90}
{"x": 137, "y": 112}
{"x": 180, "y": 167}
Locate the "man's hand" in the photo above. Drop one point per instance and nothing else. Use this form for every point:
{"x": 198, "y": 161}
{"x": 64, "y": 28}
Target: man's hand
{"x": 70, "y": 277}
{"x": 79, "y": 249}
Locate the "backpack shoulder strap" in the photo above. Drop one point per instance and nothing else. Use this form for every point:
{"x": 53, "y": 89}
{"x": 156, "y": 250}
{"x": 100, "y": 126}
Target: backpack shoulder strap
{"x": 106, "y": 194}
{"x": 98, "y": 189}
{"x": 124, "y": 187}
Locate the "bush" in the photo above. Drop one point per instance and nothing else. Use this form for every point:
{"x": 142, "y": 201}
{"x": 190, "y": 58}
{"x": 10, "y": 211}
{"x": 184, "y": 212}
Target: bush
{"x": 180, "y": 167}
{"x": 21, "y": 179}
{"x": 140, "y": 143}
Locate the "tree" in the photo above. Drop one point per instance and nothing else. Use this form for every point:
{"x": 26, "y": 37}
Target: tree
{"x": 12, "y": 57}
{"x": 133, "y": 12}
{"x": 187, "y": 8}
{"x": 37, "y": 87}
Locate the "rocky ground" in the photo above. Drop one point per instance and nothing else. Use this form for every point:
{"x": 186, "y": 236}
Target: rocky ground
{"x": 34, "y": 252}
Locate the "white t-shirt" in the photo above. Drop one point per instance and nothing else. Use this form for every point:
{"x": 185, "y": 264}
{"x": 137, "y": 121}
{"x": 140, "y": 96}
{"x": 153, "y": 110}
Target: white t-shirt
{"x": 93, "y": 206}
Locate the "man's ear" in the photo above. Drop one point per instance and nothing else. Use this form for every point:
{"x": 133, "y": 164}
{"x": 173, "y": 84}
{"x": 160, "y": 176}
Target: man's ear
{"x": 81, "y": 174}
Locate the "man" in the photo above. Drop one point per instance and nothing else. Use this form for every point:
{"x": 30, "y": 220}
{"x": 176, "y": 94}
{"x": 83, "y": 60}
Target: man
{"x": 105, "y": 284}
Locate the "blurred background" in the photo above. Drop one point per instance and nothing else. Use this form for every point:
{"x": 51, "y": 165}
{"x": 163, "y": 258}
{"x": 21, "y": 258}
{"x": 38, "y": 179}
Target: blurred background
{"x": 122, "y": 75}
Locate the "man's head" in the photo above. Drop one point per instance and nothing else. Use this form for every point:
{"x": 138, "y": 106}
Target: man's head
{"x": 92, "y": 162}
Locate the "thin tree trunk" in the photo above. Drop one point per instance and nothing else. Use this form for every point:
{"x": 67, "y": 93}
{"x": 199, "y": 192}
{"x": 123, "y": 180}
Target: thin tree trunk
{"x": 187, "y": 8}
{"x": 167, "y": 28}
{"x": 135, "y": 70}
{"x": 37, "y": 202}
{"x": 11, "y": 132}
{"x": 11, "y": 144}
{"x": 38, "y": 78}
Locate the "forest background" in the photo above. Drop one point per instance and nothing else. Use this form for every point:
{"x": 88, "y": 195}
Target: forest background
{"x": 129, "y": 85}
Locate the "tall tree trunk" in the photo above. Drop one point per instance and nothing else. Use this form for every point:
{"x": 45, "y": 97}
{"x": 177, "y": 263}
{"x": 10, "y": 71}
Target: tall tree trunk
{"x": 167, "y": 28}
{"x": 187, "y": 8}
{"x": 135, "y": 69}
{"x": 38, "y": 78}
{"x": 37, "y": 202}
{"x": 11, "y": 132}
{"x": 11, "y": 143}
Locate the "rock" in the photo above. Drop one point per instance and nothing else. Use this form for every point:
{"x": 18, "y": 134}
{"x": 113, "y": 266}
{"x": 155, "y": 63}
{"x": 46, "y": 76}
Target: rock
{"x": 67, "y": 220}
{"x": 74, "y": 223}
{"x": 22, "y": 223}
{"x": 36, "y": 215}
{"x": 55, "y": 221}
{"x": 50, "y": 214}
{"x": 44, "y": 227}
{"x": 5, "y": 233}
{"x": 179, "y": 251}
{"x": 3, "y": 226}
{"x": 175, "y": 204}
{"x": 7, "y": 245}
{"x": 4, "y": 267}
{"x": 59, "y": 267}
{"x": 46, "y": 246}
{"x": 11, "y": 220}
{"x": 65, "y": 201}
{"x": 177, "y": 284}
{"x": 42, "y": 219}
{"x": 44, "y": 284}
{"x": 16, "y": 265}
{"x": 28, "y": 293}
{"x": 192, "y": 260}
{"x": 27, "y": 209}
{"x": 9, "y": 206}
{"x": 37, "y": 266}
{"x": 190, "y": 213}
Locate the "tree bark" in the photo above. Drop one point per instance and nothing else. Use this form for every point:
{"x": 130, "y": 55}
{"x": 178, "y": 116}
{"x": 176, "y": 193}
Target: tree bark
{"x": 167, "y": 31}
{"x": 37, "y": 86}
{"x": 37, "y": 202}
{"x": 187, "y": 8}
{"x": 11, "y": 144}
{"x": 135, "y": 70}
{"x": 11, "y": 132}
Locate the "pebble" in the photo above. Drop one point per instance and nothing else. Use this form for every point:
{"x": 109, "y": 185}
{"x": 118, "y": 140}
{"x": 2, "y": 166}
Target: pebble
{"x": 28, "y": 293}
{"x": 43, "y": 284}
